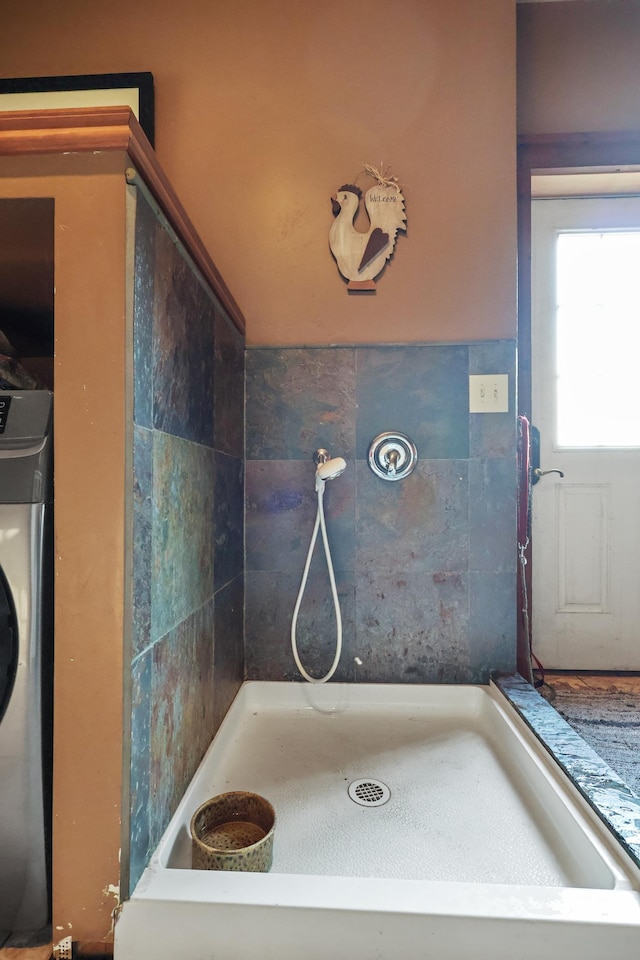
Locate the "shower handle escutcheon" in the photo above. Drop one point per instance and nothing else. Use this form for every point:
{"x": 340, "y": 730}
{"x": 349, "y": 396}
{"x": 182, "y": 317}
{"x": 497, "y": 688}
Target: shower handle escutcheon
{"x": 392, "y": 456}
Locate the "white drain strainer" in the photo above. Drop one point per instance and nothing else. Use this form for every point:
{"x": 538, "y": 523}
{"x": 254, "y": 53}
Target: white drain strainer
{"x": 369, "y": 793}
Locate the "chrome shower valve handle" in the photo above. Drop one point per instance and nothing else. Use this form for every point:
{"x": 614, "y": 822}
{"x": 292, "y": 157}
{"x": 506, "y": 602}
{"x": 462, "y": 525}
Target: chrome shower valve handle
{"x": 393, "y": 459}
{"x": 392, "y": 456}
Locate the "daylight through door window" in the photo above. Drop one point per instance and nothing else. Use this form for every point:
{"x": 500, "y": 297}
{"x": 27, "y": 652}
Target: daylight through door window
{"x": 598, "y": 338}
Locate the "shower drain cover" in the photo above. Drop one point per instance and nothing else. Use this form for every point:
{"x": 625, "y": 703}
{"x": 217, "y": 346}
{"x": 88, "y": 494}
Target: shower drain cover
{"x": 369, "y": 793}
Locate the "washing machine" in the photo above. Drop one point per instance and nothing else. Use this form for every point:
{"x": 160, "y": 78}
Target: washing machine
{"x": 26, "y": 630}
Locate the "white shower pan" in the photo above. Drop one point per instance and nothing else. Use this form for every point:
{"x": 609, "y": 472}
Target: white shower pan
{"x": 412, "y": 822}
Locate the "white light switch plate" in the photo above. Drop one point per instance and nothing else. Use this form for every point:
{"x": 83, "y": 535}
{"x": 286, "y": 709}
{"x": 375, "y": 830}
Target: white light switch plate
{"x": 489, "y": 393}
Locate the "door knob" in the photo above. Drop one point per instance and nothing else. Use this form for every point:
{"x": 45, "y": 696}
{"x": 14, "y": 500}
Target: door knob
{"x": 537, "y": 474}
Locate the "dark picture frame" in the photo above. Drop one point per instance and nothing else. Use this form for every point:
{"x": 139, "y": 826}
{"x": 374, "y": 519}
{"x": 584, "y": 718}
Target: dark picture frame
{"x": 142, "y": 82}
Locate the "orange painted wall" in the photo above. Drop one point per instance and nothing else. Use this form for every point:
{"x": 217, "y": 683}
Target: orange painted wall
{"x": 265, "y": 107}
{"x": 578, "y": 66}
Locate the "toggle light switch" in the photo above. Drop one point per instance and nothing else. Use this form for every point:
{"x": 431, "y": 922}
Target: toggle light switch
{"x": 489, "y": 393}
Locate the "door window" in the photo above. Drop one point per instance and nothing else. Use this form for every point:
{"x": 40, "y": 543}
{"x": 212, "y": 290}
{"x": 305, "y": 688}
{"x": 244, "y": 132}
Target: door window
{"x": 597, "y": 338}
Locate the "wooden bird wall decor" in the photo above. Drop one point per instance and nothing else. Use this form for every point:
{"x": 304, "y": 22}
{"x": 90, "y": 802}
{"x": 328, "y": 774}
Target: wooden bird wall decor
{"x": 361, "y": 257}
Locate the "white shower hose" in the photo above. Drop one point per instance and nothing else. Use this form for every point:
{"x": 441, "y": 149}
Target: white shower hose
{"x": 294, "y": 645}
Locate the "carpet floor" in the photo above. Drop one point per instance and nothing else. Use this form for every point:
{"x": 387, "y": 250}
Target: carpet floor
{"x": 26, "y": 946}
{"x": 605, "y": 710}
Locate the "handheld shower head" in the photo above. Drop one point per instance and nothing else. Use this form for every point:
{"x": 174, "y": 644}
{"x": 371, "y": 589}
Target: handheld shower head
{"x": 329, "y": 470}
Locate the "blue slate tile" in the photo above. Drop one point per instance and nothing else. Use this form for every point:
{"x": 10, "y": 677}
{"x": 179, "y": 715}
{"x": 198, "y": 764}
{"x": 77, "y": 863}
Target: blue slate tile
{"x": 167, "y": 763}
{"x": 202, "y": 684}
{"x": 419, "y": 523}
{"x": 492, "y": 487}
{"x": 492, "y": 624}
{"x": 493, "y": 356}
{"x": 281, "y": 505}
{"x": 493, "y": 434}
{"x": 413, "y": 540}
{"x": 299, "y": 400}
{"x": 182, "y": 712}
{"x": 183, "y": 518}
{"x": 412, "y": 627}
{"x": 142, "y": 534}
{"x": 228, "y": 387}
{"x": 140, "y": 846}
{"x": 270, "y": 603}
{"x": 228, "y": 532}
{"x": 187, "y": 528}
{"x": 421, "y": 391}
{"x": 183, "y": 348}
{"x": 143, "y": 307}
{"x": 228, "y": 672}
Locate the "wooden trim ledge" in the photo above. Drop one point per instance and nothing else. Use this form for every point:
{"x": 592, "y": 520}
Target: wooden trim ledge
{"x": 101, "y": 129}
{"x": 607, "y": 149}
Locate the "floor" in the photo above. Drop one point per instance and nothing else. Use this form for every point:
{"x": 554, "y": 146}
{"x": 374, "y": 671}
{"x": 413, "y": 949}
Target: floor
{"x": 26, "y": 953}
{"x": 604, "y": 708}
{"x": 618, "y": 683}
{"x": 26, "y": 946}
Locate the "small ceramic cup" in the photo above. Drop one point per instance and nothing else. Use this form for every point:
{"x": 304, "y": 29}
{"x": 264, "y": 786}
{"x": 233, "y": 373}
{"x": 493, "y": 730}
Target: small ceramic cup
{"x": 233, "y": 831}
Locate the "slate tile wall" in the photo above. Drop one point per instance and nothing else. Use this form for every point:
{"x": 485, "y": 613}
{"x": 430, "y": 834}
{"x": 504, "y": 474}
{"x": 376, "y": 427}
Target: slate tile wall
{"x": 187, "y": 589}
{"x": 426, "y": 566}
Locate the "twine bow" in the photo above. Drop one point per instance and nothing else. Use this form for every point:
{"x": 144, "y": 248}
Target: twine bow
{"x": 381, "y": 176}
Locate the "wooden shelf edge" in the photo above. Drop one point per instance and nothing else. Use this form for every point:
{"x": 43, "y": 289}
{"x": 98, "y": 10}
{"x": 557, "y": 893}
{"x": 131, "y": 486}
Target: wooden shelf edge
{"x": 91, "y": 130}
{"x": 588, "y": 149}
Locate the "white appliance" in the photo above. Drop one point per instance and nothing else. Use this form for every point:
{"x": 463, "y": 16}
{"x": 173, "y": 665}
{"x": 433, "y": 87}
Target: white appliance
{"x": 26, "y": 629}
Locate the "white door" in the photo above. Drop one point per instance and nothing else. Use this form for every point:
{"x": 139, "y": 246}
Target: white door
{"x": 586, "y": 405}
